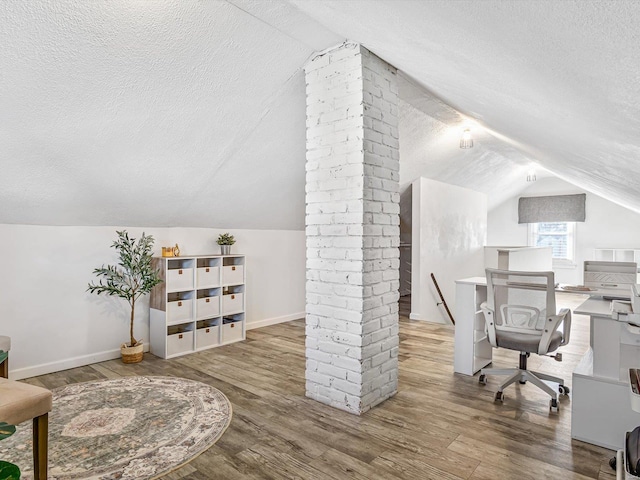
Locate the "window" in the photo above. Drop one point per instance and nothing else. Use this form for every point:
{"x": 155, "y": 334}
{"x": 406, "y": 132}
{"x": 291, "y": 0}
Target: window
{"x": 558, "y": 235}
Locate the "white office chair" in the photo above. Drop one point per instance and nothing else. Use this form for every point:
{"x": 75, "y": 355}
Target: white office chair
{"x": 520, "y": 314}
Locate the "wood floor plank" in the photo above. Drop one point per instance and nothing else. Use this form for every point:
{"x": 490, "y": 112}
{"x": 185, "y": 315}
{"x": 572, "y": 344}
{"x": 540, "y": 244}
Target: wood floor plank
{"x": 186, "y": 471}
{"x": 275, "y": 460}
{"x": 409, "y": 465}
{"x": 339, "y": 465}
{"x": 216, "y": 464}
{"x": 440, "y": 425}
{"x": 491, "y": 454}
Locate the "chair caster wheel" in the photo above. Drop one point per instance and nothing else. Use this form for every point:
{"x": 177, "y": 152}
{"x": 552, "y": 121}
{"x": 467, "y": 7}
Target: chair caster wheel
{"x": 482, "y": 379}
{"x": 613, "y": 463}
{"x": 499, "y": 397}
{"x": 563, "y": 390}
{"x": 522, "y": 382}
{"x": 553, "y": 405}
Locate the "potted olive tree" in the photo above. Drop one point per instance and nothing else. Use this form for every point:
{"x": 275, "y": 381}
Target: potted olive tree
{"x": 130, "y": 279}
{"x": 225, "y": 240}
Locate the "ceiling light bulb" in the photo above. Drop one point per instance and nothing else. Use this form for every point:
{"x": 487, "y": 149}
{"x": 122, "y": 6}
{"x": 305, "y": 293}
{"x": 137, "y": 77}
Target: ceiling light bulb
{"x": 466, "y": 141}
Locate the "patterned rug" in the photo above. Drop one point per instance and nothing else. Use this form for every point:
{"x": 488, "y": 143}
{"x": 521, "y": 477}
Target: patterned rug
{"x": 131, "y": 428}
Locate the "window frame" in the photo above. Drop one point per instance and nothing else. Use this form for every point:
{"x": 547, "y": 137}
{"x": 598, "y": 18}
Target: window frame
{"x": 570, "y": 261}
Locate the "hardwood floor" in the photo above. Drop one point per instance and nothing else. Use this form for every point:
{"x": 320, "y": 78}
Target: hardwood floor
{"x": 440, "y": 425}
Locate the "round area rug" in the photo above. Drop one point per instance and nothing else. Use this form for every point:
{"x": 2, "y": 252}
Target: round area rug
{"x": 131, "y": 428}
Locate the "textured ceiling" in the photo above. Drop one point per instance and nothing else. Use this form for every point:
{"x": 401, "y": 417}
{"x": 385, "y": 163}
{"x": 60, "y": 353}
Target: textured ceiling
{"x": 558, "y": 79}
{"x": 164, "y": 113}
{"x": 429, "y": 147}
{"x": 172, "y": 113}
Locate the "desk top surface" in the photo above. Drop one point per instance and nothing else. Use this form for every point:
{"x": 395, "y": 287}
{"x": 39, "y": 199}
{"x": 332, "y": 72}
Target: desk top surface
{"x": 560, "y": 288}
{"x": 597, "y": 307}
{"x": 473, "y": 281}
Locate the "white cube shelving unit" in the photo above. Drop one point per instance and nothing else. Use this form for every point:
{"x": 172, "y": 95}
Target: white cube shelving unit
{"x": 200, "y": 303}
{"x": 617, "y": 255}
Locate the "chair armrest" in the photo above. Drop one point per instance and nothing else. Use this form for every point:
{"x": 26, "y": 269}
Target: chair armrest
{"x": 552, "y": 322}
{"x": 566, "y": 325}
{"x": 489, "y": 324}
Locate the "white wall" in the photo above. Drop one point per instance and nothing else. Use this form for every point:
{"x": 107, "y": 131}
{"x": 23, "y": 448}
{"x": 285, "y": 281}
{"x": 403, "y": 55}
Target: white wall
{"x": 607, "y": 225}
{"x": 55, "y": 324}
{"x": 448, "y": 235}
{"x": 405, "y": 241}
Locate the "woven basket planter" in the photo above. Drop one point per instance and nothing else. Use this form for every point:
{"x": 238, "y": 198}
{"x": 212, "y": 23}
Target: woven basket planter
{"x": 132, "y": 354}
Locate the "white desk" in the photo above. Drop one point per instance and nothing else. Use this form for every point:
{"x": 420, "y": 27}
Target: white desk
{"x": 600, "y": 405}
{"x": 472, "y": 350}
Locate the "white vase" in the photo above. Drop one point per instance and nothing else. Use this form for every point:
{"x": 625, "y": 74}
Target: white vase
{"x": 225, "y": 249}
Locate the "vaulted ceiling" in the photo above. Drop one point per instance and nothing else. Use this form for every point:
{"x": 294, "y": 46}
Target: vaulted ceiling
{"x": 172, "y": 113}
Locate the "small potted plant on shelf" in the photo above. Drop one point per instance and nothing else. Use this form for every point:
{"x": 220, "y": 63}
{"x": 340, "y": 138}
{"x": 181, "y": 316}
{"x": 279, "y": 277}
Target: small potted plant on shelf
{"x": 130, "y": 279}
{"x": 8, "y": 471}
{"x": 225, "y": 240}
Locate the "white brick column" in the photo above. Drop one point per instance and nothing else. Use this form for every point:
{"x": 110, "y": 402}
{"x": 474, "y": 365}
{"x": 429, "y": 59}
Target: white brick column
{"x": 353, "y": 230}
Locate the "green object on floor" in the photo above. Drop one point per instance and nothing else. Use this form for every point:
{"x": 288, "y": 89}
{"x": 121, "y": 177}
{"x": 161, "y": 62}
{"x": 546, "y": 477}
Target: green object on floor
{"x": 8, "y": 471}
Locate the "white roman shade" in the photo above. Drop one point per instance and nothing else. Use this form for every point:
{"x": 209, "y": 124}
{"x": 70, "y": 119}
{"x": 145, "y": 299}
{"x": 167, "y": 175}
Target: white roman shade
{"x": 557, "y": 208}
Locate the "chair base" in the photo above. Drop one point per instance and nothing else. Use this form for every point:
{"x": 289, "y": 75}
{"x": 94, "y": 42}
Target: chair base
{"x": 523, "y": 376}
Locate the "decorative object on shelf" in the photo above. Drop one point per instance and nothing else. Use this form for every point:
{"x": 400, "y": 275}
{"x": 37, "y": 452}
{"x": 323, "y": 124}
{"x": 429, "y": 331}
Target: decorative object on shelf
{"x": 225, "y": 240}
{"x": 171, "y": 251}
{"x": 149, "y": 427}
{"x": 466, "y": 141}
{"x": 8, "y": 471}
{"x": 130, "y": 279}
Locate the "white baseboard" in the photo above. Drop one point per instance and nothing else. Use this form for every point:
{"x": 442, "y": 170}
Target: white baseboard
{"x": 417, "y": 316}
{"x": 83, "y": 360}
{"x": 65, "y": 364}
{"x": 272, "y": 321}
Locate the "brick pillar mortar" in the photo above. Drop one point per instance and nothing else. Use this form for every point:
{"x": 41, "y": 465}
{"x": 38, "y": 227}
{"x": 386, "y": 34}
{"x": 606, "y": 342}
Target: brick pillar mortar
{"x": 352, "y": 226}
